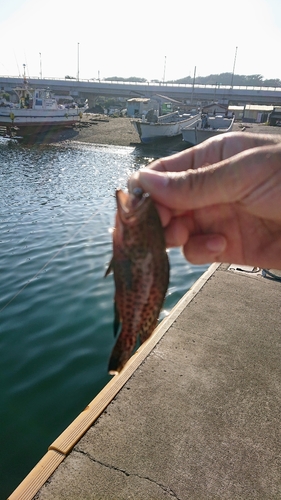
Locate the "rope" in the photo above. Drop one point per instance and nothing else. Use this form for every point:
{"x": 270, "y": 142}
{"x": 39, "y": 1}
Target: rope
{"x": 266, "y": 273}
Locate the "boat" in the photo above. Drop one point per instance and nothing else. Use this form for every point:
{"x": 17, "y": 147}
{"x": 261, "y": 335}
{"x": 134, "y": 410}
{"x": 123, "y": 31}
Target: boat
{"x": 189, "y": 131}
{"x": 206, "y": 127}
{"x": 152, "y": 127}
{"x": 37, "y": 110}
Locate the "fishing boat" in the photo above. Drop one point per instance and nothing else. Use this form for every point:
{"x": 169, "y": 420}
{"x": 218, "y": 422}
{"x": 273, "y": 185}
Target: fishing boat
{"x": 37, "y": 110}
{"x": 153, "y": 128}
{"x": 206, "y": 127}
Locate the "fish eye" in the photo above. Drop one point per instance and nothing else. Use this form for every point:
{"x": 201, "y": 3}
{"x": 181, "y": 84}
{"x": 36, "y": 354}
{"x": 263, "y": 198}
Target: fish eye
{"x": 138, "y": 192}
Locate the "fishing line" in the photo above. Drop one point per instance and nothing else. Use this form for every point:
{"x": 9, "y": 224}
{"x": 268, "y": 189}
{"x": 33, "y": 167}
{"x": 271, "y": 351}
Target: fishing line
{"x": 54, "y": 256}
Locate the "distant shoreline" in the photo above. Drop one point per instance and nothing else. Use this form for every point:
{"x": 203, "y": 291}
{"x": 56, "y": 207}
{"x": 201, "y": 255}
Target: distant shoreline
{"x": 120, "y": 131}
{"x": 100, "y": 129}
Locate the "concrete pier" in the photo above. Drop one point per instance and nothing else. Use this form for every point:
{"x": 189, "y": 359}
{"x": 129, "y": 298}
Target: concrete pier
{"x": 194, "y": 415}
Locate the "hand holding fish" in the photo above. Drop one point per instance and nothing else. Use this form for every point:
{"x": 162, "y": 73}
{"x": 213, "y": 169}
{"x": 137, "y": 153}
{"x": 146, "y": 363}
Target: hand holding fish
{"x": 221, "y": 200}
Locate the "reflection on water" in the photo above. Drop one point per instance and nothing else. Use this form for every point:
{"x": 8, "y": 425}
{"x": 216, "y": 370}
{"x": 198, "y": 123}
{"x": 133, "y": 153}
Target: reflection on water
{"x": 56, "y": 309}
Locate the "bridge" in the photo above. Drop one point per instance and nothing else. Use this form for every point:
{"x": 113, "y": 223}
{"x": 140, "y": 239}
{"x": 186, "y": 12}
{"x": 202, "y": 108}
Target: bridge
{"x": 191, "y": 94}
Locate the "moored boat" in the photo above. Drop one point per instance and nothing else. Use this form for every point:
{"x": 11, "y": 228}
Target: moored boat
{"x": 36, "y": 111}
{"x": 169, "y": 125}
{"x": 206, "y": 127}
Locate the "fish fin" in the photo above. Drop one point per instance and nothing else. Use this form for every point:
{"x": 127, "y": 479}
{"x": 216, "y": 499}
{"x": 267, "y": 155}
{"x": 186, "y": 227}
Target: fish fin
{"x": 121, "y": 353}
{"x": 117, "y": 322}
{"x": 109, "y": 269}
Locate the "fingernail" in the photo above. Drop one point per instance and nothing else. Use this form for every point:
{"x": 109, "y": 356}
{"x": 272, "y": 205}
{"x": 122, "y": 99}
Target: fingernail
{"x": 216, "y": 244}
{"x": 152, "y": 178}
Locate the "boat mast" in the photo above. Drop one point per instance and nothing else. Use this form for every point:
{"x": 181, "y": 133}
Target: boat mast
{"x": 24, "y": 75}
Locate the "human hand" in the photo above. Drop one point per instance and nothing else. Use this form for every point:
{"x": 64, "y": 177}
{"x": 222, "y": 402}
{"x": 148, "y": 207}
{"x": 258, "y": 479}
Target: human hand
{"x": 221, "y": 200}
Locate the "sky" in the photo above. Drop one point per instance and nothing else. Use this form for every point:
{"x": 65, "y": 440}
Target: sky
{"x": 150, "y": 39}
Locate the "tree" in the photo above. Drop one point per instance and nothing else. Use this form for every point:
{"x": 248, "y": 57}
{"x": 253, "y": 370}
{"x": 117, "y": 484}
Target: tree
{"x": 255, "y": 80}
{"x": 122, "y": 79}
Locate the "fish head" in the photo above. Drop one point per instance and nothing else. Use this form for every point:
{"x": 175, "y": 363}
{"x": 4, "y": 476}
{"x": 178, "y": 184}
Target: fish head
{"x": 132, "y": 206}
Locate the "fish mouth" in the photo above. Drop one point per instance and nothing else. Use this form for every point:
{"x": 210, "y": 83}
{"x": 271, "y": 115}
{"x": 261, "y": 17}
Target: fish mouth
{"x": 130, "y": 205}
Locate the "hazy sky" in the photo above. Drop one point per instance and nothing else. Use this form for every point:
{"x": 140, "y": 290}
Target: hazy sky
{"x": 147, "y": 38}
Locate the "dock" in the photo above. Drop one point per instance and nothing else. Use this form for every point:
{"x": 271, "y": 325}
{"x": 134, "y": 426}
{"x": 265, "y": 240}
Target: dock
{"x": 195, "y": 414}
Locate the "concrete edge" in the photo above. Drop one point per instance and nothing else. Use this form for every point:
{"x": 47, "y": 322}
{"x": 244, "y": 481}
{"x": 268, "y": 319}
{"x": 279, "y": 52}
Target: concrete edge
{"x": 63, "y": 445}
{"x": 37, "y": 476}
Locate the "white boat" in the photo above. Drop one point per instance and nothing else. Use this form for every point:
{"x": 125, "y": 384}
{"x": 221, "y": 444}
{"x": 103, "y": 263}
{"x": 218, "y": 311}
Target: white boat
{"x": 36, "y": 111}
{"x": 169, "y": 125}
{"x": 206, "y": 127}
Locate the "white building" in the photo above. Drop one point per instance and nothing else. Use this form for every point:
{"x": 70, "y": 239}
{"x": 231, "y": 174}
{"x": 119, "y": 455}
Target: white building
{"x": 139, "y": 106}
{"x": 257, "y": 113}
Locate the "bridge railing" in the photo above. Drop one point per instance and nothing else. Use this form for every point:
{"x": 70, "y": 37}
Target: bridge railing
{"x": 94, "y": 81}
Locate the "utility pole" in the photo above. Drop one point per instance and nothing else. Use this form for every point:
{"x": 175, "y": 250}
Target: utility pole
{"x": 193, "y": 83}
{"x": 40, "y": 65}
{"x": 78, "y": 62}
{"x": 233, "y": 67}
{"x": 164, "y": 74}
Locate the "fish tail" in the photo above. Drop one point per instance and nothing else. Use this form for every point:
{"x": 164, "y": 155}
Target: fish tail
{"x": 121, "y": 353}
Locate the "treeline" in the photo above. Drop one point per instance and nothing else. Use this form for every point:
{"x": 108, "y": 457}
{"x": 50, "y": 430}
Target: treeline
{"x": 216, "y": 79}
{"x": 121, "y": 79}
{"x": 229, "y": 79}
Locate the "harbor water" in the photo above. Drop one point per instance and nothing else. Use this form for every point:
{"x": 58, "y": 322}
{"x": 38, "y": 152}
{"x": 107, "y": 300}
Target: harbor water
{"x": 57, "y": 209}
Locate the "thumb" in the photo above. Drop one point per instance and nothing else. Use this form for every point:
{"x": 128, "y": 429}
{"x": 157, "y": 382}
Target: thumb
{"x": 180, "y": 191}
{"x": 228, "y": 181}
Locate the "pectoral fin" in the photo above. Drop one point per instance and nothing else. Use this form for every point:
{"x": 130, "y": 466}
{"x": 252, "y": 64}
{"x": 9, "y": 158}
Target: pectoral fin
{"x": 109, "y": 269}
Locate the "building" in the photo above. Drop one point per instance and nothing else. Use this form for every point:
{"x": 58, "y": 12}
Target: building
{"x": 138, "y": 106}
{"x": 215, "y": 109}
{"x": 275, "y": 116}
{"x": 257, "y": 113}
{"x": 237, "y": 110}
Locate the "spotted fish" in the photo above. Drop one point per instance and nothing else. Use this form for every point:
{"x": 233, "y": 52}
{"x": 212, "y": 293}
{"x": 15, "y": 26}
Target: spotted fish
{"x": 141, "y": 273}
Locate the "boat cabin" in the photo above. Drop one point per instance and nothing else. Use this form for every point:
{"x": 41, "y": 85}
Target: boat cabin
{"x": 44, "y": 99}
{"x": 35, "y": 99}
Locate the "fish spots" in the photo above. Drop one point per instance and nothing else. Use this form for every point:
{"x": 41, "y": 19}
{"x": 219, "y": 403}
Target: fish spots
{"x": 141, "y": 273}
